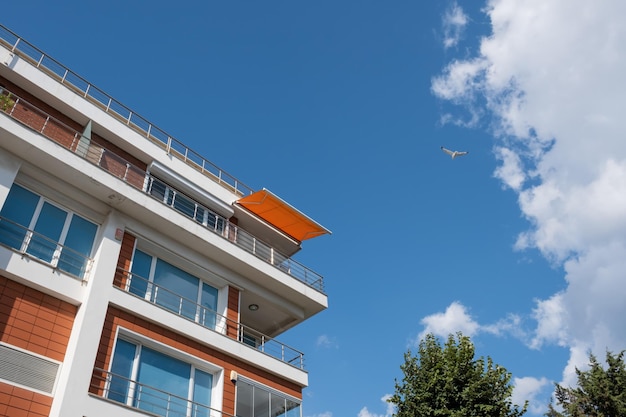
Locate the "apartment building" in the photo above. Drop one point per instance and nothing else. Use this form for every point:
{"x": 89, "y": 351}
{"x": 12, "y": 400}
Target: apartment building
{"x": 136, "y": 276}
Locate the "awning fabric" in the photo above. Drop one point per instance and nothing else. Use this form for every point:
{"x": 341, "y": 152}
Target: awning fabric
{"x": 281, "y": 215}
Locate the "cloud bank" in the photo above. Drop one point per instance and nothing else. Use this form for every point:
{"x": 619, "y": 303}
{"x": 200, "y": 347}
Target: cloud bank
{"x": 549, "y": 81}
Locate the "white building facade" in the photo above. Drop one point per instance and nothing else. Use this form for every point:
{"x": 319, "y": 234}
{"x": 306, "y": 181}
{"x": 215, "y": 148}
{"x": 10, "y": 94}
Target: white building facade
{"x": 136, "y": 277}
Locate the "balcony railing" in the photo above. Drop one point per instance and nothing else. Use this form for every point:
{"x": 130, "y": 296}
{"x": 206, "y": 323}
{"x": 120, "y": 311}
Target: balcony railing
{"x": 57, "y": 131}
{"x": 146, "y": 398}
{"x": 37, "y": 246}
{"x": 120, "y": 112}
{"x": 169, "y": 300}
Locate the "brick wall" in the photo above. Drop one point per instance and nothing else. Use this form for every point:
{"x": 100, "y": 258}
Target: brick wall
{"x": 19, "y": 402}
{"x": 36, "y": 322}
{"x": 119, "y": 318}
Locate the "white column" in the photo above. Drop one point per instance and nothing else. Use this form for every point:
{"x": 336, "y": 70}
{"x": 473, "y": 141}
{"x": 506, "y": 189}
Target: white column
{"x": 9, "y": 166}
{"x": 73, "y": 383}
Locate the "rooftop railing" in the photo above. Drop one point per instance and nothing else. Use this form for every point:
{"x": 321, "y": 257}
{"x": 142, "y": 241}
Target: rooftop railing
{"x": 119, "y": 111}
{"x": 57, "y": 131}
{"x": 162, "y": 297}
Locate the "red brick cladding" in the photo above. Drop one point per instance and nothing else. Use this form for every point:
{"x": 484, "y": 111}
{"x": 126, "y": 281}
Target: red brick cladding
{"x": 118, "y": 318}
{"x": 34, "y": 114}
{"x": 19, "y": 402}
{"x": 36, "y": 322}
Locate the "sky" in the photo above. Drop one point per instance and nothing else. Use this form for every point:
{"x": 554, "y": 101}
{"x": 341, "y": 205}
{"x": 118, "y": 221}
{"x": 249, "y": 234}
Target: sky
{"x": 341, "y": 107}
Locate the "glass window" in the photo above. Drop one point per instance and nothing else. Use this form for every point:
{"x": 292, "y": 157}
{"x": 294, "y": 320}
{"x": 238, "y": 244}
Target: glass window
{"x": 209, "y": 304}
{"x": 152, "y": 381}
{"x": 177, "y": 290}
{"x": 164, "y": 383}
{"x": 257, "y": 401}
{"x": 142, "y": 263}
{"x": 170, "y": 287}
{"x": 18, "y": 209}
{"x": 121, "y": 371}
{"x": 59, "y": 237}
{"x": 77, "y": 245}
{"x": 184, "y": 204}
{"x": 48, "y": 230}
{"x": 203, "y": 382}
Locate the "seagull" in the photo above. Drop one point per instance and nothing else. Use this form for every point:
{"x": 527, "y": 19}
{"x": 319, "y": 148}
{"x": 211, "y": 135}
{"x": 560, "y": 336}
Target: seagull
{"x": 453, "y": 154}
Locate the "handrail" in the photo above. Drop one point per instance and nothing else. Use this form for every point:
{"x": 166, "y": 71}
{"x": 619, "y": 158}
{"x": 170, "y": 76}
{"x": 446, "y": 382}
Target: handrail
{"x": 29, "y": 243}
{"x": 119, "y": 111}
{"x": 155, "y": 294}
{"x": 134, "y": 394}
{"x": 124, "y": 170}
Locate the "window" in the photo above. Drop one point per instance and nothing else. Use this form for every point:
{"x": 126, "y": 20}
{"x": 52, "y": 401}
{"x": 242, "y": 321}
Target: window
{"x": 150, "y": 380}
{"x": 185, "y": 205}
{"x": 256, "y": 401}
{"x": 33, "y": 225}
{"x": 170, "y": 287}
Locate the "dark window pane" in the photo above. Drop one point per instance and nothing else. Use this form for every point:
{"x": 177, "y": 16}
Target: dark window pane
{"x": 79, "y": 241}
{"x": 140, "y": 273}
{"x": 47, "y": 232}
{"x": 121, "y": 370}
{"x": 178, "y": 290}
{"x": 19, "y": 208}
{"x": 163, "y": 380}
{"x": 203, "y": 383}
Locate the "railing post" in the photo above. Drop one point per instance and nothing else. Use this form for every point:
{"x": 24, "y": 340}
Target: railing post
{"x": 45, "y": 124}
{"x": 17, "y": 100}
{"x": 126, "y": 172}
{"x": 15, "y": 45}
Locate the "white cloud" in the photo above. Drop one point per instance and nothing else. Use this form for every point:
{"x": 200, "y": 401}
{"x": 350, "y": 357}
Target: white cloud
{"x": 325, "y": 341}
{"x": 454, "y": 21}
{"x": 511, "y": 171}
{"x": 456, "y": 318}
{"x": 550, "y": 79}
{"x": 388, "y": 413}
{"x": 529, "y": 388}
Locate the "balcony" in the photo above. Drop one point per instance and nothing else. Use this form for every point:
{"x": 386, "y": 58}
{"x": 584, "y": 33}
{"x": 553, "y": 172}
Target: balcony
{"x": 31, "y": 116}
{"x": 43, "y": 249}
{"x": 108, "y": 104}
{"x": 148, "y": 399}
{"x": 183, "y": 307}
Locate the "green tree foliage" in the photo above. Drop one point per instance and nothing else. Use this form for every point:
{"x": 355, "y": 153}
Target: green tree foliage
{"x": 448, "y": 381}
{"x": 600, "y": 392}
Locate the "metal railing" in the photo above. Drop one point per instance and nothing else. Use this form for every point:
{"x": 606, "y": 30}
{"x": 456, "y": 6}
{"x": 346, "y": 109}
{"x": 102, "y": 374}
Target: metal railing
{"x": 37, "y": 246}
{"x": 119, "y": 111}
{"x": 144, "y": 397}
{"x": 62, "y": 134}
{"x": 162, "y": 297}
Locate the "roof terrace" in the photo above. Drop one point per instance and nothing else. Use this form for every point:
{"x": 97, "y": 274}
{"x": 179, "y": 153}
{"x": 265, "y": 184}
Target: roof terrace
{"x": 116, "y": 165}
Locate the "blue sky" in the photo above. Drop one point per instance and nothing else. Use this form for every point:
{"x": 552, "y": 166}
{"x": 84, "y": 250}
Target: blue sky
{"x": 340, "y": 108}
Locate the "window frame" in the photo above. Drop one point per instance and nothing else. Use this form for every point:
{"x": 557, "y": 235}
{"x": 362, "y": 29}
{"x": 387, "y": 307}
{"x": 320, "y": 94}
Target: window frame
{"x": 139, "y": 340}
{"x": 158, "y": 253}
{"x": 32, "y": 235}
{"x": 270, "y": 392}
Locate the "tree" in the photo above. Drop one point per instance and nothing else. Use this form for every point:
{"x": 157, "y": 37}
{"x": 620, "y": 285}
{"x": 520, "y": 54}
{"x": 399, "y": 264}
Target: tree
{"x": 448, "y": 381}
{"x": 600, "y": 392}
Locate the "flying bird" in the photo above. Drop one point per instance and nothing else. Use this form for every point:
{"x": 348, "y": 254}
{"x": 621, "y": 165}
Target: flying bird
{"x": 453, "y": 154}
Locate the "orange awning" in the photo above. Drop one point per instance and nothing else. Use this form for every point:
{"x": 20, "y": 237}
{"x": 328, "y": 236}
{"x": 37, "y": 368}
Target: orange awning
{"x": 281, "y": 215}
